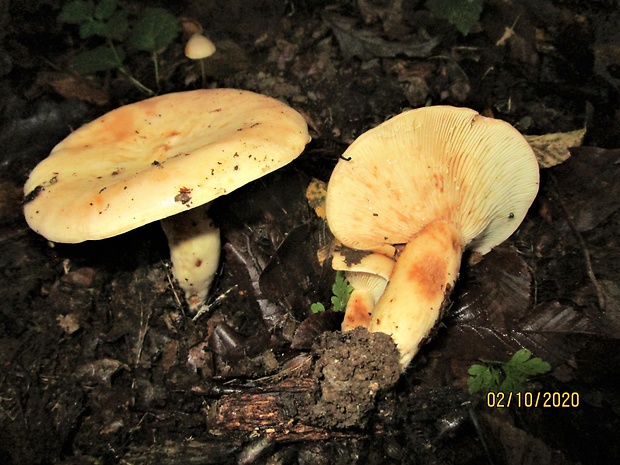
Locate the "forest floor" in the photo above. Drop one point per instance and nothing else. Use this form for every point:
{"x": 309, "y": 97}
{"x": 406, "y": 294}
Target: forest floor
{"x": 103, "y": 364}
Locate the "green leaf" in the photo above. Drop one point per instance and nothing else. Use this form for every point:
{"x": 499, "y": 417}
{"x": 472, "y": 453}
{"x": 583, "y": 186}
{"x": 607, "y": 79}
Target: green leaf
{"x": 477, "y": 370}
{"x": 105, "y": 9}
{"x": 520, "y": 356}
{"x": 116, "y": 26}
{"x": 90, "y": 29}
{"x": 483, "y": 378}
{"x": 510, "y": 376}
{"x": 495, "y": 378}
{"x": 537, "y": 366}
{"x": 462, "y": 14}
{"x": 511, "y": 385}
{"x": 77, "y": 12}
{"x": 98, "y": 59}
{"x": 154, "y": 31}
{"x": 479, "y": 378}
{"x": 342, "y": 291}
{"x": 523, "y": 365}
{"x": 317, "y": 307}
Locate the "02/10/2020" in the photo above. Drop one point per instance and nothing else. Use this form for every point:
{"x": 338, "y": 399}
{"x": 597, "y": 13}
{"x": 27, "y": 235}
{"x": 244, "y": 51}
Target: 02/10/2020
{"x": 532, "y": 399}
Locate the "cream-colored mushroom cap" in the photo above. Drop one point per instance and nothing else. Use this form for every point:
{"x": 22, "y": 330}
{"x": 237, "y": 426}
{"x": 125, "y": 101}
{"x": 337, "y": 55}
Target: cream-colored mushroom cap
{"x": 199, "y": 46}
{"x": 344, "y": 259}
{"x": 430, "y": 164}
{"x": 368, "y": 274}
{"x": 158, "y": 157}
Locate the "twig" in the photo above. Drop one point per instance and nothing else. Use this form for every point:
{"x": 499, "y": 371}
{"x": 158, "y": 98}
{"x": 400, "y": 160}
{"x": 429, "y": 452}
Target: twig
{"x": 207, "y": 307}
{"x": 174, "y": 291}
{"x": 155, "y": 67}
{"x": 144, "y": 328}
{"x": 127, "y": 74}
{"x": 474, "y": 419}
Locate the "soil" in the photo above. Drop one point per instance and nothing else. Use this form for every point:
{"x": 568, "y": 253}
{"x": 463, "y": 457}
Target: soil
{"x": 102, "y": 363}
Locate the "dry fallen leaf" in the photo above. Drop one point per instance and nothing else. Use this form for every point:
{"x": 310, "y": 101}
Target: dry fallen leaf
{"x": 552, "y": 149}
{"x": 589, "y": 184}
{"x": 494, "y": 314}
{"x": 315, "y": 193}
{"x": 367, "y": 43}
{"x": 82, "y": 89}
{"x": 68, "y": 323}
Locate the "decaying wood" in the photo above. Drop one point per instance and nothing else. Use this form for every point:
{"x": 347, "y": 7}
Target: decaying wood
{"x": 264, "y": 413}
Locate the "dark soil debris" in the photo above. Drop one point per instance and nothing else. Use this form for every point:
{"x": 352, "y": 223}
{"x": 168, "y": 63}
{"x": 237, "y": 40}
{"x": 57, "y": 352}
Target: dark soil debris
{"x": 351, "y": 371}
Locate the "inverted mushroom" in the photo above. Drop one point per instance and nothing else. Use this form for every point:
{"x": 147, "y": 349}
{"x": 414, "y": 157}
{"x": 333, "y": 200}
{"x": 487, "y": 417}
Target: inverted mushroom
{"x": 430, "y": 182}
{"x": 161, "y": 159}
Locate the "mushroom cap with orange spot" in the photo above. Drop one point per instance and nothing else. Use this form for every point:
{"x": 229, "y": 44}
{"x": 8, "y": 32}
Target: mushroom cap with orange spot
{"x": 155, "y": 158}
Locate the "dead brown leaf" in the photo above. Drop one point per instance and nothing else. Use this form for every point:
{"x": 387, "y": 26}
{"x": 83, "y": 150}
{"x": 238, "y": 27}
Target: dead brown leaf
{"x": 552, "y": 149}
{"x": 82, "y": 89}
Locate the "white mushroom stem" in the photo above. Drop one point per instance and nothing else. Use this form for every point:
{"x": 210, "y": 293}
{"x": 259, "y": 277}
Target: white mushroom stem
{"x": 423, "y": 278}
{"x": 367, "y": 288}
{"x": 195, "y": 252}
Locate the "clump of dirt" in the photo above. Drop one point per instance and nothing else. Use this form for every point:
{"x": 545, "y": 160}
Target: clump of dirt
{"x": 351, "y": 369}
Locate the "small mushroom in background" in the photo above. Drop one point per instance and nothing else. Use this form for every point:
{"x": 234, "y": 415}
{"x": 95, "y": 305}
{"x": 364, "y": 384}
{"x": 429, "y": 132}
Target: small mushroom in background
{"x": 368, "y": 274}
{"x": 198, "y": 47}
{"x": 429, "y": 182}
{"x": 164, "y": 158}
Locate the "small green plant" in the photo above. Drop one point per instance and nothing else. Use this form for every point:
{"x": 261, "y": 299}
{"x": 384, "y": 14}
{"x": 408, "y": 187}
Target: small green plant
{"x": 509, "y": 376}
{"x": 341, "y": 290}
{"x": 151, "y": 33}
{"x": 462, "y": 14}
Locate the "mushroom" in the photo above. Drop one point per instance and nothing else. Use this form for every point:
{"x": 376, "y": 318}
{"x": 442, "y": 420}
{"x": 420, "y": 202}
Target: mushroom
{"x": 164, "y": 158}
{"x": 429, "y": 182}
{"x": 368, "y": 274}
{"x": 199, "y": 47}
